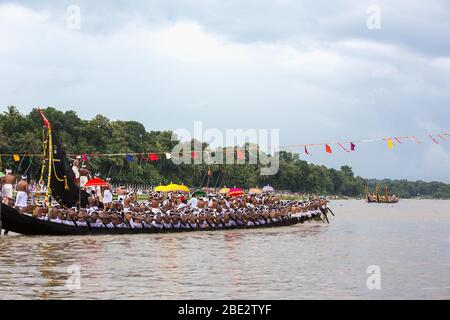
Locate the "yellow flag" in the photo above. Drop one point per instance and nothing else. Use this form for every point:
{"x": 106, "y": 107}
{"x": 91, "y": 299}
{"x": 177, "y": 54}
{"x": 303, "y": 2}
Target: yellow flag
{"x": 390, "y": 143}
{"x": 16, "y": 157}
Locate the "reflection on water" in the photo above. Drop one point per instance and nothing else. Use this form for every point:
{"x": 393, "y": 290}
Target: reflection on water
{"x": 410, "y": 243}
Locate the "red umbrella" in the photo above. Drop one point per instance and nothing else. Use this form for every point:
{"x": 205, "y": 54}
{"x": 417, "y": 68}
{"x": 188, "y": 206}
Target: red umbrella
{"x": 96, "y": 182}
{"x": 235, "y": 192}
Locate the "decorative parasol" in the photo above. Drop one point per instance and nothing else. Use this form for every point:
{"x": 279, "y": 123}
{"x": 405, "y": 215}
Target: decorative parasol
{"x": 177, "y": 187}
{"x": 161, "y": 189}
{"x": 96, "y": 182}
{"x": 224, "y": 191}
{"x": 199, "y": 193}
{"x": 255, "y": 191}
{"x": 235, "y": 192}
{"x": 268, "y": 189}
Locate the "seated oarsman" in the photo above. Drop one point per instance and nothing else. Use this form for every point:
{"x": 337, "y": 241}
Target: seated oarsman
{"x": 138, "y": 221}
{"x": 95, "y": 221}
{"x": 148, "y": 219}
{"x": 184, "y": 221}
{"x": 54, "y": 215}
{"x": 236, "y": 217}
{"x": 192, "y": 219}
{"x": 82, "y": 219}
{"x": 106, "y": 220}
{"x": 261, "y": 218}
{"x": 157, "y": 221}
{"x": 70, "y": 217}
{"x": 201, "y": 221}
{"x": 41, "y": 212}
{"x": 129, "y": 218}
{"x": 118, "y": 221}
{"x": 209, "y": 218}
{"x": 274, "y": 217}
{"x": 118, "y": 206}
{"x": 166, "y": 220}
{"x": 175, "y": 221}
{"x": 227, "y": 222}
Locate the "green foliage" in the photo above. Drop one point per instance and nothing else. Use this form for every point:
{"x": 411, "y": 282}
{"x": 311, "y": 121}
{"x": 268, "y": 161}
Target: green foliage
{"x": 23, "y": 133}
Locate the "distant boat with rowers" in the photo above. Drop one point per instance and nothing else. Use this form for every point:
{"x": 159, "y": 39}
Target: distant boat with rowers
{"x": 377, "y": 197}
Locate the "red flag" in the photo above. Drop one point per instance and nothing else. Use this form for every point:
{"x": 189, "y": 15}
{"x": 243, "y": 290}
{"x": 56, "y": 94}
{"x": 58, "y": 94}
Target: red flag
{"x": 153, "y": 157}
{"x": 328, "y": 149}
{"x": 240, "y": 154}
{"x": 306, "y": 151}
{"x": 44, "y": 118}
{"x": 352, "y": 146}
{"x": 194, "y": 154}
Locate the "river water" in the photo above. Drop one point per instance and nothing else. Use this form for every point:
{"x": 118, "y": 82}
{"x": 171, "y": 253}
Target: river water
{"x": 405, "y": 247}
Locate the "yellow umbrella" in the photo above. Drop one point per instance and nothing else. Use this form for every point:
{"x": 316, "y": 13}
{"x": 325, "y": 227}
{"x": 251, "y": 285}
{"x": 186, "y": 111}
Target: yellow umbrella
{"x": 183, "y": 188}
{"x": 161, "y": 189}
{"x": 255, "y": 191}
{"x": 177, "y": 187}
{"x": 224, "y": 190}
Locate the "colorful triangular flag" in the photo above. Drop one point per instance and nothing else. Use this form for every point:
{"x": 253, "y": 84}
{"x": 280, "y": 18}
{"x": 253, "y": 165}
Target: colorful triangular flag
{"x": 306, "y": 151}
{"x": 352, "y": 146}
{"x": 44, "y": 119}
{"x": 153, "y": 157}
{"x": 390, "y": 143}
{"x": 16, "y": 157}
{"x": 434, "y": 140}
{"x": 328, "y": 149}
{"x": 340, "y": 145}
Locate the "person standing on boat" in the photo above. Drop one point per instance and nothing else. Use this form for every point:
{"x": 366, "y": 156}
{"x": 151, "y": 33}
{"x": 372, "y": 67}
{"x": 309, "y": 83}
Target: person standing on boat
{"x": 107, "y": 194}
{"x": 84, "y": 176}
{"x": 7, "y": 187}
{"x": 122, "y": 193}
{"x": 76, "y": 169}
{"x": 22, "y": 193}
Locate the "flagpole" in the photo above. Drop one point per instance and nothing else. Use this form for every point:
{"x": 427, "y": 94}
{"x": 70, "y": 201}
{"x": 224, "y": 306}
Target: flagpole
{"x": 1, "y": 195}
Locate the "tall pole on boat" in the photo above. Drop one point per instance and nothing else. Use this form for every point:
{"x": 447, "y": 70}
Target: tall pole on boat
{"x": 1, "y": 195}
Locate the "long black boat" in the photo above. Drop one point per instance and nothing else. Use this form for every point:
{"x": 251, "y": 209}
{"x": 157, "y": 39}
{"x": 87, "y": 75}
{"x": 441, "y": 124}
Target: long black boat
{"x": 17, "y": 222}
{"x": 67, "y": 193}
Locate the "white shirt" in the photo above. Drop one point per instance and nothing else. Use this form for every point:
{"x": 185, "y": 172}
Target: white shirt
{"x": 193, "y": 202}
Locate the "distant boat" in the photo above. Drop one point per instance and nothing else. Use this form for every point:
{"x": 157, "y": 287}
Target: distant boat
{"x": 378, "y": 198}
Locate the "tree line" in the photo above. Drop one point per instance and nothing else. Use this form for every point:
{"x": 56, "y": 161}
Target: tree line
{"x": 21, "y": 133}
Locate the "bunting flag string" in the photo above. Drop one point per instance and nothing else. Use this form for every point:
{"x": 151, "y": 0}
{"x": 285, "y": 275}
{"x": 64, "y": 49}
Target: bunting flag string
{"x": 156, "y": 156}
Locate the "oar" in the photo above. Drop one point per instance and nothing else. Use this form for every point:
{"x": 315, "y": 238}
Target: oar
{"x": 330, "y": 210}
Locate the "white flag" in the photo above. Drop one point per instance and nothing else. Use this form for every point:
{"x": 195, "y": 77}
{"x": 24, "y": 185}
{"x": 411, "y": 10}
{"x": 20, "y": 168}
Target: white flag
{"x": 168, "y": 156}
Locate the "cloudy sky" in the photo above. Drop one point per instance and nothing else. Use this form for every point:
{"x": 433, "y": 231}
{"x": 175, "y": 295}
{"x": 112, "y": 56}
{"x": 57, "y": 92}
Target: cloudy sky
{"x": 312, "y": 69}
